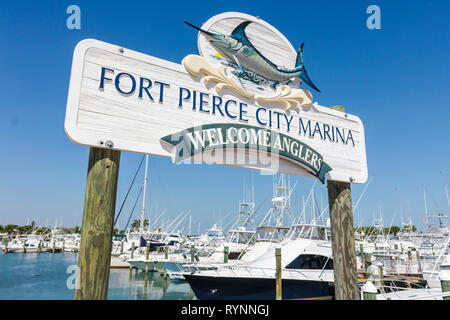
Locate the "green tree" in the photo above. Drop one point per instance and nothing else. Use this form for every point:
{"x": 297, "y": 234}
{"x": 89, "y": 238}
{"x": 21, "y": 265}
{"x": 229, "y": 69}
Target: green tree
{"x": 11, "y": 228}
{"x": 43, "y": 230}
{"x": 136, "y": 224}
{"x": 395, "y": 230}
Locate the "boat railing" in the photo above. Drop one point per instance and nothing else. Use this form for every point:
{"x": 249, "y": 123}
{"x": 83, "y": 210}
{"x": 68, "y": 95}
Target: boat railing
{"x": 387, "y": 291}
{"x": 264, "y": 271}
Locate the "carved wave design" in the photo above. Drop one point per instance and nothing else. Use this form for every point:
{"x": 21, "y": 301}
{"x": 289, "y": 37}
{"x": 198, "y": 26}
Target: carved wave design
{"x": 288, "y": 97}
{"x": 284, "y": 96}
{"x": 197, "y": 65}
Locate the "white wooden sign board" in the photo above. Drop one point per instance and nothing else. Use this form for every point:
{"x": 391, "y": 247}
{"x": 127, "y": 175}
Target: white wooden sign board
{"x": 97, "y": 112}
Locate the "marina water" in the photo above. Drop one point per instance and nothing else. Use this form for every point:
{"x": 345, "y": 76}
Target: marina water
{"x": 48, "y": 276}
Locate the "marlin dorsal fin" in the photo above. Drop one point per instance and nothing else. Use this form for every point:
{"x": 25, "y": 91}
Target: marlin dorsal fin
{"x": 239, "y": 34}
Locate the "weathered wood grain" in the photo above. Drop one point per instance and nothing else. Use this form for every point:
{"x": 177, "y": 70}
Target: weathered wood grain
{"x": 343, "y": 241}
{"x": 278, "y": 278}
{"x": 97, "y": 229}
{"x": 137, "y": 124}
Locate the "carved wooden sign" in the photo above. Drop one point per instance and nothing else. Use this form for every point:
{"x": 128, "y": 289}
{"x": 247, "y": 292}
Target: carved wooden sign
{"x": 238, "y": 103}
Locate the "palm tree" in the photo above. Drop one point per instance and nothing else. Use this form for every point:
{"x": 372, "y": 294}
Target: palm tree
{"x": 137, "y": 223}
{"x": 10, "y": 228}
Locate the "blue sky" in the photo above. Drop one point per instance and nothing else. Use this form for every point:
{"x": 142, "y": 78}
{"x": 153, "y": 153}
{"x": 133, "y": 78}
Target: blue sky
{"x": 395, "y": 79}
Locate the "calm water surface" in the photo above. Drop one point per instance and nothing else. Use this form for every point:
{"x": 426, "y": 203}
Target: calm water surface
{"x": 46, "y": 276}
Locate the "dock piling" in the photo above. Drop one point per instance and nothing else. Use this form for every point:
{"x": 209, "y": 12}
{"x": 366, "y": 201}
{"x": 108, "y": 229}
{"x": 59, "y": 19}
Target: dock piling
{"x": 343, "y": 241}
{"x": 147, "y": 256}
{"x": 278, "y": 289}
{"x": 97, "y": 228}
{"x": 343, "y": 237}
{"x": 369, "y": 291}
{"x": 225, "y": 254}
{"x": 419, "y": 264}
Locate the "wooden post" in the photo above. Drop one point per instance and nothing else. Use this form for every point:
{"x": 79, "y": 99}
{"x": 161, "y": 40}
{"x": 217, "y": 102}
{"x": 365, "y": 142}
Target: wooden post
{"x": 278, "y": 279}
{"x": 24, "y": 246}
{"x": 63, "y": 245}
{"x": 381, "y": 276}
{"x": 419, "y": 265}
{"x": 54, "y": 244}
{"x": 147, "y": 256}
{"x": 132, "y": 250}
{"x": 343, "y": 238}
{"x": 369, "y": 291}
{"x": 132, "y": 254}
{"x": 39, "y": 246}
{"x": 121, "y": 247}
{"x": 343, "y": 241}
{"x": 166, "y": 251}
{"x": 409, "y": 269}
{"x": 97, "y": 228}
{"x": 6, "y": 246}
{"x": 361, "y": 253}
{"x": 225, "y": 254}
{"x": 192, "y": 253}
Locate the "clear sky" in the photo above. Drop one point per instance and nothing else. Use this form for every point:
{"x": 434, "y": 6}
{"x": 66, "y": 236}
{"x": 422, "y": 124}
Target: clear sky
{"x": 396, "y": 80}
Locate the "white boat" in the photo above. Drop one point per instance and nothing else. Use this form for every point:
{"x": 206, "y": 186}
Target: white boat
{"x": 307, "y": 271}
{"x": 27, "y": 244}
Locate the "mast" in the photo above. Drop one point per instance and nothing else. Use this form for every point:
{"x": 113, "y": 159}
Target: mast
{"x": 448, "y": 200}
{"x": 141, "y": 227}
{"x": 190, "y": 220}
{"x": 426, "y": 209}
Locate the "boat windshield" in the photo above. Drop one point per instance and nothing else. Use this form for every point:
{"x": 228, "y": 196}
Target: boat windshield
{"x": 311, "y": 261}
{"x": 271, "y": 233}
{"x": 239, "y": 236}
{"x": 309, "y": 232}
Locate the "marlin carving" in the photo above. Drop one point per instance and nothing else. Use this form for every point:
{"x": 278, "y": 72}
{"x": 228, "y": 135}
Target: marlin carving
{"x": 238, "y": 48}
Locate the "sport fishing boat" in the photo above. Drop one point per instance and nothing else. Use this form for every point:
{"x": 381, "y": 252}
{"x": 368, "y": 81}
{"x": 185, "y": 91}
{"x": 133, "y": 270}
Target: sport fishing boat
{"x": 307, "y": 271}
{"x": 242, "y": 242}
{"x": 27, "y": 244}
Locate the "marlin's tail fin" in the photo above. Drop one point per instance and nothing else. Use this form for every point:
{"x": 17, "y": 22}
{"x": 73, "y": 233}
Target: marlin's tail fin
{"x": 301, "y": 68}
{"x": 299, "y": 60}
{"x": 304, "y": 76}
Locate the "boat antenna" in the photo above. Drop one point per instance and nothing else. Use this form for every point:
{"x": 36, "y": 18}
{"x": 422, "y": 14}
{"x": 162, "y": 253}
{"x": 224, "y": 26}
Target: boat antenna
{"x": 128, "y": 192}
{"x": 141, "y": 227}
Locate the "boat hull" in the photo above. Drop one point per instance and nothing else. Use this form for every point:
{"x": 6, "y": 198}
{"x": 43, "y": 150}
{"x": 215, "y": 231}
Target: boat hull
{"x": 140, "y": 264}
{"x": 227, "y": 288}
